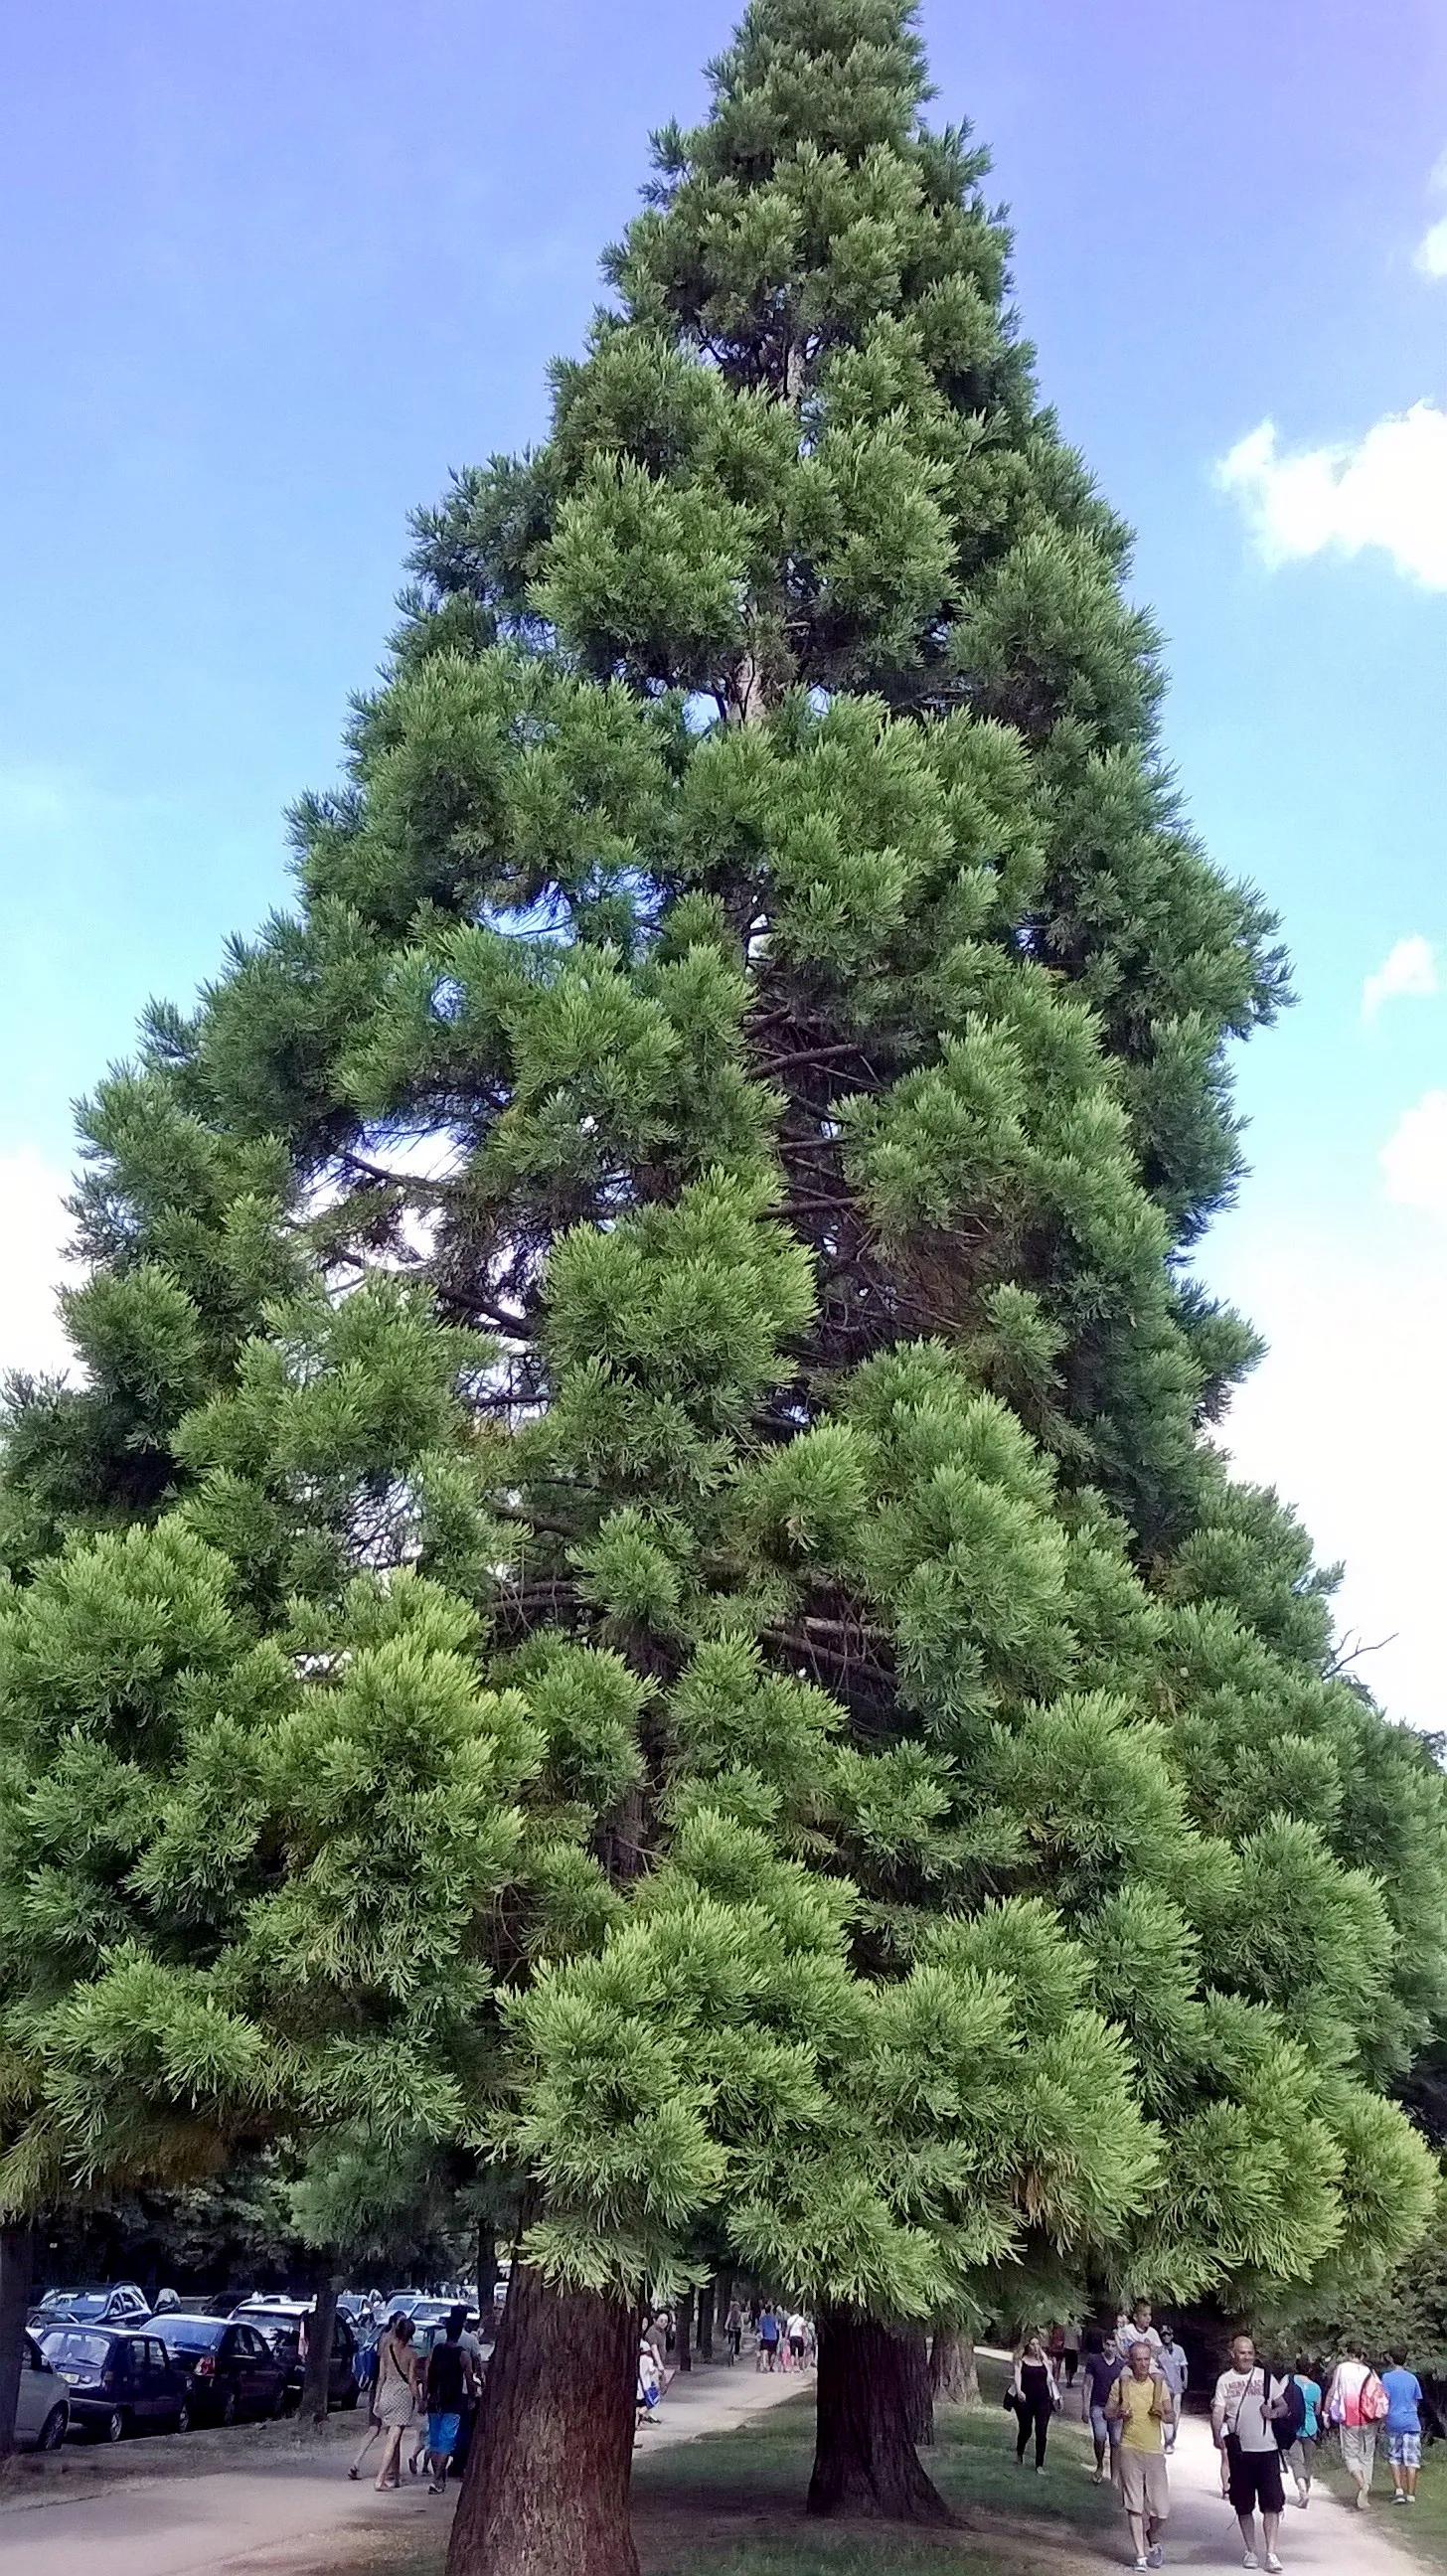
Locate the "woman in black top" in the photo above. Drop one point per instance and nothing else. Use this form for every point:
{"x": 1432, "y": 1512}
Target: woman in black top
{"x": 1035, "y": 2397}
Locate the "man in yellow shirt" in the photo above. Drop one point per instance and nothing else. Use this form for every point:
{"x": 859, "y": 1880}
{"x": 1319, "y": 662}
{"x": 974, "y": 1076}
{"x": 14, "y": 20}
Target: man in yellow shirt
{"x": 1143, "y": 2405}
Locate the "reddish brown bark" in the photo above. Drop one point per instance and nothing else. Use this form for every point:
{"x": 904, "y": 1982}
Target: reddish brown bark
{"x": 865, "y": 2459}
{"x": 545, "y": 2492}
{"x": 953, "y": 2376}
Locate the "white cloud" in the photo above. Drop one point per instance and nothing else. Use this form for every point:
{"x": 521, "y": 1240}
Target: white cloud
{"x": 1430, "y": 255}
{"x": 1414, "y": 1157}
{"x": 34, "y": 1229}
{"x": 1387, "y": 490}
{"x": 1410, "y": 970}
{"x": 1347, "y": 1418}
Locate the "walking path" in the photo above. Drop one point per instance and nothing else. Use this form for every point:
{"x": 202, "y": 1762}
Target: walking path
{"x": 278, "y": 2507}
{"x": 1329, "y": 2539}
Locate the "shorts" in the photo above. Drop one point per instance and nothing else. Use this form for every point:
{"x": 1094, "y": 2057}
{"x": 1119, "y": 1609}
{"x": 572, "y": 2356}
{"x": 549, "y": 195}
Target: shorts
{"x": 1301, "y": 2458}
{"x": 1144, "y": 2487}
{"x": 442, "y": 2432}
{"x": 1255, "y": 2479}
{"x": 1100, "y": 2424}
{"x": 1359, "y": 2450}
{"x": 1404, "y": 2450}
{"x": 796, "y": 2346}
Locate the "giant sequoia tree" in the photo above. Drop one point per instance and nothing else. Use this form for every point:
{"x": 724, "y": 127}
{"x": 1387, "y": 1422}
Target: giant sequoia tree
{"x": 737, "y": 1687}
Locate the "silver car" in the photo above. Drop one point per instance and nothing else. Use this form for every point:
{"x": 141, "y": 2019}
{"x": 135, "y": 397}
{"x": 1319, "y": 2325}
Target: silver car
{"x": 42, "y": 2414}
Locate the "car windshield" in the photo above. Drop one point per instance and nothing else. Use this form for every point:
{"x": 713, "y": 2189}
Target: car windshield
{"x": 194, "y": 2334}
{"x": 66, "y": 2349}
{"x": 86, "y": 2303}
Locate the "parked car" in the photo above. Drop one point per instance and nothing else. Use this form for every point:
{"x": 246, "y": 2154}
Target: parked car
{"x": 421, "y": 2307}
{"x": 230, "y": 2368}
{"x": 42, "y": 2411}
{"x": 116, "y": 2383}
{"x": 280, "y": 2321}
{"x": 105, "y": 2303}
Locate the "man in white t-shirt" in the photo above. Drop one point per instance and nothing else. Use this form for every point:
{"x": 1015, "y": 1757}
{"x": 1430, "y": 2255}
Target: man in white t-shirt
{"x": 1243, "y": 2424}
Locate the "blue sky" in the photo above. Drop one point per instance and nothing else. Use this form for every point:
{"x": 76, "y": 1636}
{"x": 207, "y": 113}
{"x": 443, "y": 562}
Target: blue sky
{"x": 267, "y": 271}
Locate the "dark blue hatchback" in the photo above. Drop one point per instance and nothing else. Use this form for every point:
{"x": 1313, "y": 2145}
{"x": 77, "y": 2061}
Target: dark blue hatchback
{"x": 117, "y": 2383}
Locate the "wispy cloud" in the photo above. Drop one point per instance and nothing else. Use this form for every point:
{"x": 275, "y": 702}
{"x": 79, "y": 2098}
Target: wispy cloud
{"x": 36, "y": 1229}
{"x": 1430, "y": 255}
{"x": 1387, "y": 489}
{"x": 1414, "y": 1157}
{"x": 1408, "y": 971}
{"x": 1361, "y": 1315}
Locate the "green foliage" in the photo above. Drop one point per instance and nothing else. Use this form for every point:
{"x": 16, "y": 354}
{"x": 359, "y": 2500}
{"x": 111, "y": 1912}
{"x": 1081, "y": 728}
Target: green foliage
{"x": 635, "y": 1611}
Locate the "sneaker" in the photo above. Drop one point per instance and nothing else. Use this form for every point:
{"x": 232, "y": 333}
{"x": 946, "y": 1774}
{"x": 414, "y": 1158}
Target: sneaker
{"x": 1250, "y": 2559}
{"x": 1399, "y": 2495}
{"x": 1364, "y": 2502}
{"x": 1273, "y": 2564}
{"x": 1155, "y": 2555}
{"x": 1141, "y": 2562}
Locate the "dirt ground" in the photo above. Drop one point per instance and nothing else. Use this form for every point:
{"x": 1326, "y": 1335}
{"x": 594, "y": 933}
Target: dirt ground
{"x": 258, "y": 2500}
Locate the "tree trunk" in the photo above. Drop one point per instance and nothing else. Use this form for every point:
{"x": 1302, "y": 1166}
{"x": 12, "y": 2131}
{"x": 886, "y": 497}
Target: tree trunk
{"x": 317, "y": 2376}
{"x": 705, "y": 2321}
{"x": 921, "y": 2393}
{"x": 953, "y": 2376}
{"x": 684, "y": 2313}
{"x": 17, "y": 2257}
{"x": 865, "y": 2461}
{"x": 545, "y": 2491}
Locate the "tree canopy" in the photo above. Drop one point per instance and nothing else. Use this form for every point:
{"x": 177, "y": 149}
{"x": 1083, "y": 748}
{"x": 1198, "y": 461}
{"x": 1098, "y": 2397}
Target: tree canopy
{"x": 639, "y": 1591}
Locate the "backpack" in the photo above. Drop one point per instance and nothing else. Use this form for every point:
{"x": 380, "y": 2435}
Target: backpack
{"x": 1374, "y": 2401}
{"x": 1287, "y": 2427}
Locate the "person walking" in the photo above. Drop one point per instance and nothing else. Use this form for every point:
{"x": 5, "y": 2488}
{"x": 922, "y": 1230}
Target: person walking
{"x": 1142, "y": 2402}
{"x": 1172, "y": 2364}
{"x": 798, "y": 2335}
{"x": 1035, "y": 2394}
{"x": 1243, "y": 2425}
{"x": 1072, "y": 2351}
{"x": 734, "y": 2331}
{"x": 1100, "y": 2368}
{"x": 767, "y": 2356}
{"x": 394, "y": 2403}
{"x": 1301, "y": 2457}
{"x": 651, "y": 2382}
{"x": 1402, "y": 2428}
{"x": 450, "y": 2383}
{"x": 1356, "y": 2402}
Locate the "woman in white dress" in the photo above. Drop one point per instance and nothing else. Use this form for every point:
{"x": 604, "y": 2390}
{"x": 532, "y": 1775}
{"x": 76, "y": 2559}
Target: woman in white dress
{"x": 394, "y": 2402}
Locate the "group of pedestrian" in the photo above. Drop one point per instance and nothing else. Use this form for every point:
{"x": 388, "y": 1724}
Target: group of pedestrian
{"x": 1266, "y": 2423}
{"x": 785, "y": 2338}
{"x": 435, "y": 2398}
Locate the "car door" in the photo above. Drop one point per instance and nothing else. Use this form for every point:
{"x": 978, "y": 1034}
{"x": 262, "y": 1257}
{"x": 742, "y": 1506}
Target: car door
{"x": 127, "y": 2371}
{"x": 39, "y": 2389}
{"x": 344, "y": 2351}
{"x": 166, "y": 2380}
{"x": 253, "y": 2379}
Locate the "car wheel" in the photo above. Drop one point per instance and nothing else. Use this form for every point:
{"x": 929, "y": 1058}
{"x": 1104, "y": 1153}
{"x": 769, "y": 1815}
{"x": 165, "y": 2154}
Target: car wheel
{"x": 112, "y": 2427}
{"x": 183, "y": 2417}
{"x": 52, "y": 2431}
{"x": 228, "y": 2407}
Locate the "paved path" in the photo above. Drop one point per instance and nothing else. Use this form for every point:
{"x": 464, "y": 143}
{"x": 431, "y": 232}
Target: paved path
{"x": 263, "y": 2504}
{"x": 1329, "y": 2539}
